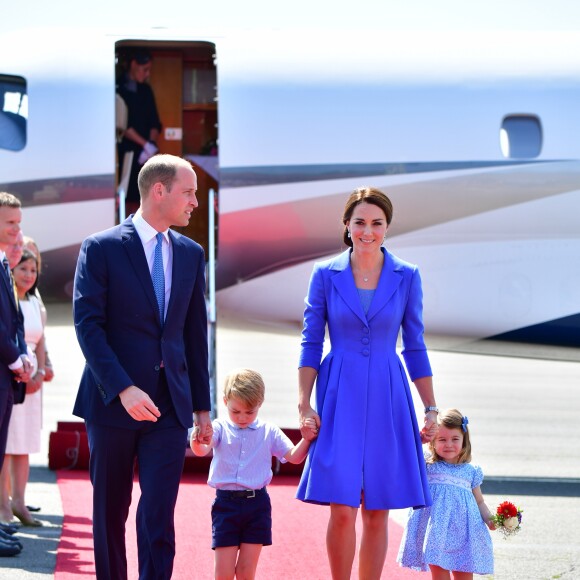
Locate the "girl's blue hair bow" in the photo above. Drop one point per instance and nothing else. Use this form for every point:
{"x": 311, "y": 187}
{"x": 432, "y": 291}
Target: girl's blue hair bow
{"x": 464, "y": 421}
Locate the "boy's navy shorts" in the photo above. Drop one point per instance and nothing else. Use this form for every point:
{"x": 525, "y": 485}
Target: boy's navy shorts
{"x": 238, "y": 518}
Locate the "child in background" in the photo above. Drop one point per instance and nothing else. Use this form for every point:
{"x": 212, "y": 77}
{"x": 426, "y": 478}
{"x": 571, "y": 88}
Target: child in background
{"x": 451, "y": 535}
{"x": 240, "y": 470}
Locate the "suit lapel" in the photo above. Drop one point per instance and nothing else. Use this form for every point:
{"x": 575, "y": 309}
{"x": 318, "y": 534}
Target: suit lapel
{"x": 132, "y": 244}
{"x": 344, "y": 283}
{"x": 389, "y": 281}
{"x": 7, "y": 281}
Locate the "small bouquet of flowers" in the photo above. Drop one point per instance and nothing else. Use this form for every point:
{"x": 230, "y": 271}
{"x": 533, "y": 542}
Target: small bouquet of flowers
{"x": 508, "y": 518}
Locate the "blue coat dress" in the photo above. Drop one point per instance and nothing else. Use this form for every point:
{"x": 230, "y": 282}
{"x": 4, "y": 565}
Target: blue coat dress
{"x": 369, "y": 438}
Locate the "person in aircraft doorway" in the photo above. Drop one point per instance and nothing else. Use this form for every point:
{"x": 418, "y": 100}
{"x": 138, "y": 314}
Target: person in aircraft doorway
{"x": 143, "y": 123}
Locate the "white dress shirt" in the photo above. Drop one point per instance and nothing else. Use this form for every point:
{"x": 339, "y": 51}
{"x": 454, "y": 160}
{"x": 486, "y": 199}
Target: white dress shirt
{"x": 242, "y": 458}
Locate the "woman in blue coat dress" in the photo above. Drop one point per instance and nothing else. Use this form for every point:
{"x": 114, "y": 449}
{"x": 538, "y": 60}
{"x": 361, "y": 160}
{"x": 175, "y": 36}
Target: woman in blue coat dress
{"x": 368, "y": 452}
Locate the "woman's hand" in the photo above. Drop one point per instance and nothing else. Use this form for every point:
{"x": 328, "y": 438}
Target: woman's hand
{"x": 48, "y": 370}
{"x": 307, "y": 413}
{"x": 34, "y": 384}
{"x": 430, "y": 428}
{"x": 424, "y": 387}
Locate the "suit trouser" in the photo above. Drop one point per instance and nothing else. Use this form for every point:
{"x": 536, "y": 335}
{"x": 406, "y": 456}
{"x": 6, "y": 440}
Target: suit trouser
{"x": 159, "y": 449}
{"x": 6, "y": 404}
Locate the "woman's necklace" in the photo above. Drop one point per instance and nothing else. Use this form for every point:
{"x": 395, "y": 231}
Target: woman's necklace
{"x": 367, "y": 275}
{"x": 366, "y": 278}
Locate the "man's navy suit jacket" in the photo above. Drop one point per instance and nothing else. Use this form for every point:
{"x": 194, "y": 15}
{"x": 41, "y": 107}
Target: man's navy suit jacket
{"x": 120, "y": 333}
{"x": 12, "y": 343}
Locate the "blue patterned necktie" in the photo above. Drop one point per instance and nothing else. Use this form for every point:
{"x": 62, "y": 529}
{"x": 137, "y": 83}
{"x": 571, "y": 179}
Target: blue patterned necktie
{"x": 158, "y": 277}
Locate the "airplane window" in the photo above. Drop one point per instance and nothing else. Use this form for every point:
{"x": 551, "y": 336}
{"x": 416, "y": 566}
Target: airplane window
{"x": 13, "y": 112}
{"x": 520, "y": 136}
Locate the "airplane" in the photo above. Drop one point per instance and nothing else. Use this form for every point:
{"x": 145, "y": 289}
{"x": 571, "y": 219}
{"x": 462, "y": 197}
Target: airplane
{"x": 470, "y": 126}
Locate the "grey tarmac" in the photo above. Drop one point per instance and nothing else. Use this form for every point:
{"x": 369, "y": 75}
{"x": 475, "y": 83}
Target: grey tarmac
{"x": 523, "y": 404}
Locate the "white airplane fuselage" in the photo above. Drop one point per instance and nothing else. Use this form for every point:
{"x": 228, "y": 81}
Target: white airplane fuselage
{"x": 496, "y": 237}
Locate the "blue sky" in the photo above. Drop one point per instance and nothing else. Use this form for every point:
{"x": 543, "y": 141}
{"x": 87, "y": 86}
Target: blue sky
{"x": 377, "y": 15}
{"x": 310, "y": 41}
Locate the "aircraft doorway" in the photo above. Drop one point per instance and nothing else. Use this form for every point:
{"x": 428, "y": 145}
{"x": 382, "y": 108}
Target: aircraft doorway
{"x": 182, "y": 77}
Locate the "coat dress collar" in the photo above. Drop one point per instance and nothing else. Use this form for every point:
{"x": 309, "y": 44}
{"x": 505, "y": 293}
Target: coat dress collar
{"x": 389, "y": 280}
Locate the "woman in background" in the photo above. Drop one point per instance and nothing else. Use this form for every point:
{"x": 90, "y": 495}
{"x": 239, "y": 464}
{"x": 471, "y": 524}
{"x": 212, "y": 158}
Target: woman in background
{"x": 26, "y": 420}
{"x": 30, "y": 244}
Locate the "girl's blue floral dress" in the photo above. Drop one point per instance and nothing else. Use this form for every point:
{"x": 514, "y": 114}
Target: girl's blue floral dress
{"x": 451, "y": 533}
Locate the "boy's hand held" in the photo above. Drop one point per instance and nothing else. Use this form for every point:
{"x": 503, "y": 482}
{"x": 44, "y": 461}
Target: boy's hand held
{"x": 194, "y": 436}
{"x": 309, "y": 429}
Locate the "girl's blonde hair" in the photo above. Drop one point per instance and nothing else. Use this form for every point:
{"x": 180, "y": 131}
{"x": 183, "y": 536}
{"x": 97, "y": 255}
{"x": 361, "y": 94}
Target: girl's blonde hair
{"x": 245, "y": 385}
{"x": 453, "y": 419}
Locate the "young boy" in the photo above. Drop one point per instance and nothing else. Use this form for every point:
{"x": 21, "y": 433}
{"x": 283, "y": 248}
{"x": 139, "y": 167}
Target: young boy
{"x": 240, "y": 470}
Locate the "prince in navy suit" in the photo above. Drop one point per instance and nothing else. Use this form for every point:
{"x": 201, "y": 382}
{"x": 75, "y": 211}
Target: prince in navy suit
{"x": 146, "y": 376}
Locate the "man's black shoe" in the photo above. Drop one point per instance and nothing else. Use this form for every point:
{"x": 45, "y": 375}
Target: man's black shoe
{"x": 8, "y": 539}
{"x": 9, "y": 549}
{"x": 8, "y": 528}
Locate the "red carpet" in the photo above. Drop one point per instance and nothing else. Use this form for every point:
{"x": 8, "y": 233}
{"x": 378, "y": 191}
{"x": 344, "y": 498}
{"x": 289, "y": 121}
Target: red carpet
{"x": 298, "y": 549}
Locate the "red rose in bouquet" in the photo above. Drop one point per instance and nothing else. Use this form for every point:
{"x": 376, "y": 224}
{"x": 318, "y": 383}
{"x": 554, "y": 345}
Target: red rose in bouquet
{"x": 507, "y": 509}
{"x": 508, "y": 518}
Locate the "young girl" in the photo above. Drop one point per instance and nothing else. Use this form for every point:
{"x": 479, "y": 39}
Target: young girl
{"x": 451, "y": 535}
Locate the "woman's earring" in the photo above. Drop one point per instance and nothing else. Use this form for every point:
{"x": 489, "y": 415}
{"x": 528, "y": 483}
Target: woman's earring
{"x": 348, "y": 233}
